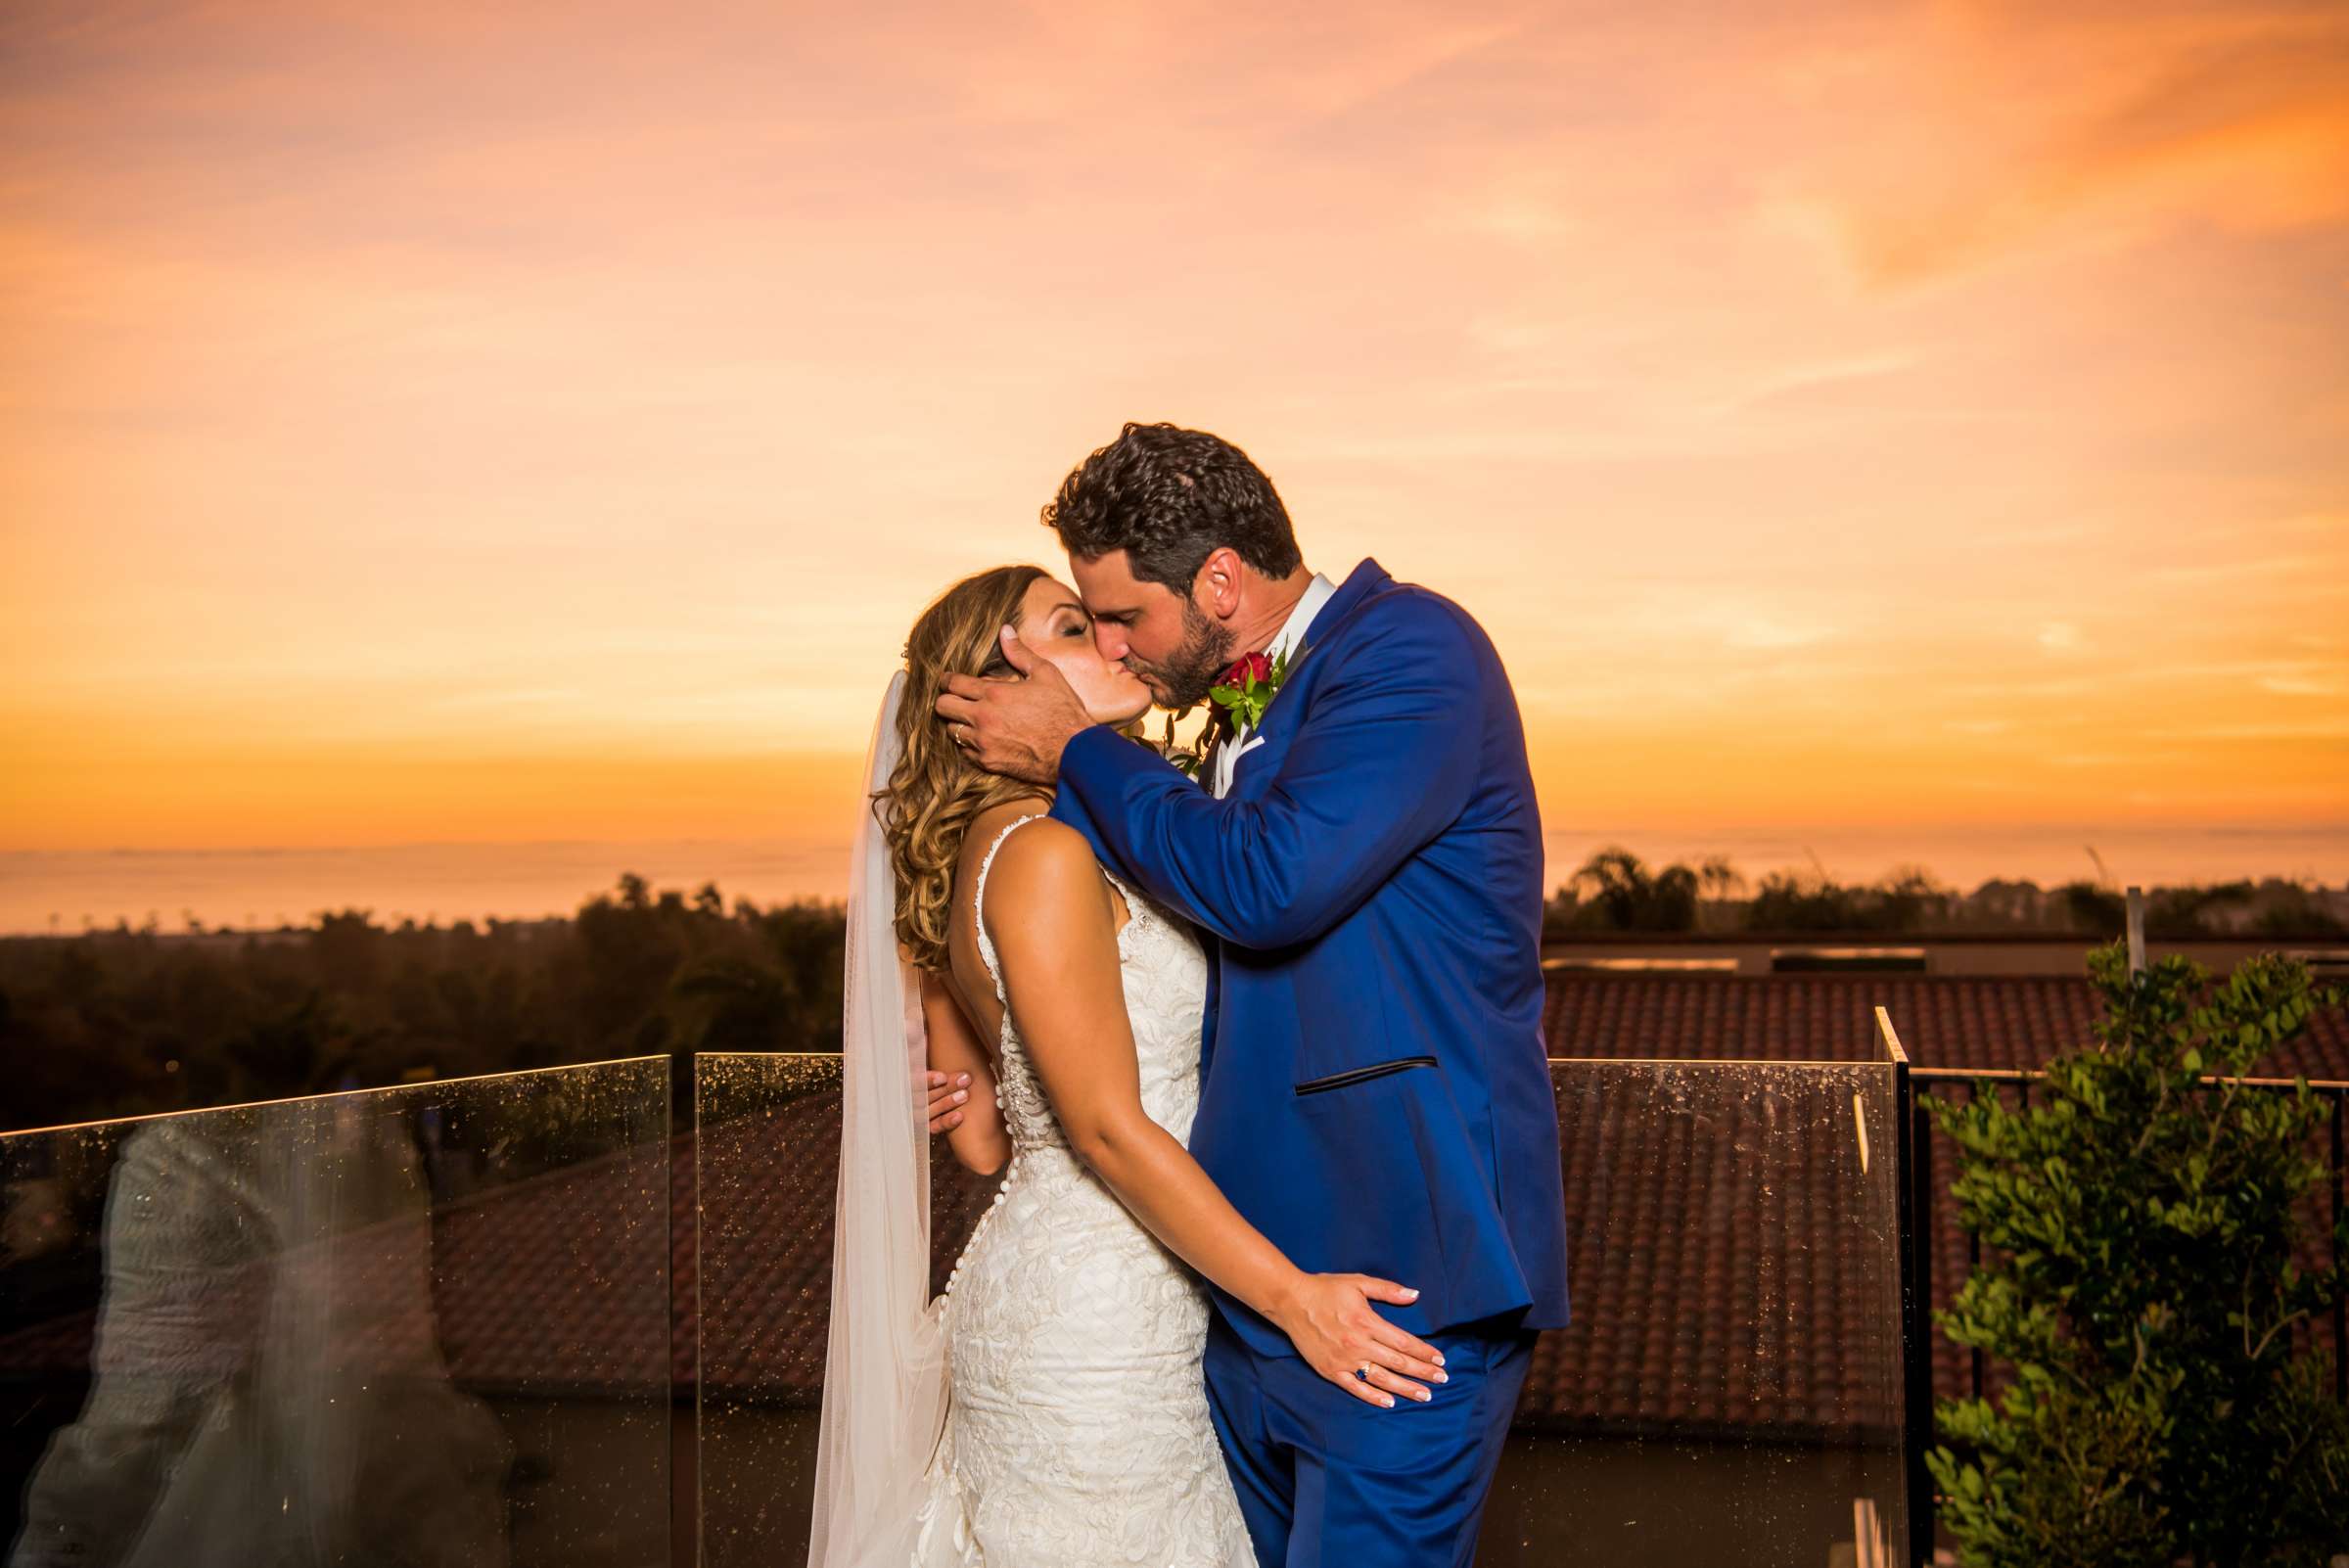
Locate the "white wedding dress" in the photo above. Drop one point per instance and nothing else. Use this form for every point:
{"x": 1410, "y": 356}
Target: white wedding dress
{"x": 1076, "y": 1432}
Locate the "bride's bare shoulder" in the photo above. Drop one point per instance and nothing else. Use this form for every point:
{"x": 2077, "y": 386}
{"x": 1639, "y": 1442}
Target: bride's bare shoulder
{"x": 1045, "y": 866}
{"x": 987, "y": 834}
{"x": 1043, "y": 847}
{"x": 989, "y": 826}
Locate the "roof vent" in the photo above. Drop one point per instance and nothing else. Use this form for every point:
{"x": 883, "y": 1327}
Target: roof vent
{"x": 1847, "y": 960}
{"x": 1644, "y": 966}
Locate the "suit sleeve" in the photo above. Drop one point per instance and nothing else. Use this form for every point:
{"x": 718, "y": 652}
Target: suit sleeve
{"x": 1384, "y": 762}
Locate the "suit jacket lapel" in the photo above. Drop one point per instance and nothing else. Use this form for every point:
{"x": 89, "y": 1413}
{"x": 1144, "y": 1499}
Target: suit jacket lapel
{"x": 1364, "y": 580}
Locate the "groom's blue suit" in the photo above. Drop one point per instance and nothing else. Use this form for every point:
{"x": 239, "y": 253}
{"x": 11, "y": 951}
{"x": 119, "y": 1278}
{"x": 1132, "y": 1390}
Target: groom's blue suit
{"x": 1374, "y": 1090}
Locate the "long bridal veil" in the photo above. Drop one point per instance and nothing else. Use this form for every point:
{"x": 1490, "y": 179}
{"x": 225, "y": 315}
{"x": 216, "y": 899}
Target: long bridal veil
{"x": 885, "y": 1373}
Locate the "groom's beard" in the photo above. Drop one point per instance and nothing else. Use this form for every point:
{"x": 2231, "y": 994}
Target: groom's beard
{"x": 1204, "y": 654}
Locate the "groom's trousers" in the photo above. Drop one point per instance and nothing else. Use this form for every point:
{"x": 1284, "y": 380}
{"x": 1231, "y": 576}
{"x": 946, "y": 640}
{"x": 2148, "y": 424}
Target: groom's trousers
{"x": 1325, "y": 1478}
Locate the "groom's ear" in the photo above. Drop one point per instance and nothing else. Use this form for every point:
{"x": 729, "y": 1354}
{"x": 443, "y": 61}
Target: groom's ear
{"x": 1215, "y": 590}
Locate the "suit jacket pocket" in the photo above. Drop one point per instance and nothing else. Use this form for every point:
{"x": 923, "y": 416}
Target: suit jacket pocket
{"x": 1362, "y": 1074}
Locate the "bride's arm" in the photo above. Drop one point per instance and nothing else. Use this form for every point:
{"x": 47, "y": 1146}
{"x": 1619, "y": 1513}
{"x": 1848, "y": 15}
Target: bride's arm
{"x": 961, "y": 1084}
{"x": 1059, "y": 955}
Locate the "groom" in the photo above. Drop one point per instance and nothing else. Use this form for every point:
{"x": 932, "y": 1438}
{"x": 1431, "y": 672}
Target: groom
{"x": 1367, "y": 857}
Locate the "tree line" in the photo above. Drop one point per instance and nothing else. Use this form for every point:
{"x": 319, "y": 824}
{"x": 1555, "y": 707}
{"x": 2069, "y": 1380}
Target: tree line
{"x": 131, "y": 1019}
{"x": 1615, "y": 892}
{"x": 122, "y": 1022}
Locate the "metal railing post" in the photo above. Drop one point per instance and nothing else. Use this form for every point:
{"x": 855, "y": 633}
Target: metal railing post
{"x": 1910, "y": 1130}
{"x": 1973, "y": 1261}
{"x": 2340, "y": 1304}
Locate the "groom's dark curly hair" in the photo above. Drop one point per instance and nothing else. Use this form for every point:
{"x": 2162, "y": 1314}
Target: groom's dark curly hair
{"x": 1171, "y": 497}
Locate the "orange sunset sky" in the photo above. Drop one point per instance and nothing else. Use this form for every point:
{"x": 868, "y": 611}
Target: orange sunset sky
{"x": 438, "y": 422}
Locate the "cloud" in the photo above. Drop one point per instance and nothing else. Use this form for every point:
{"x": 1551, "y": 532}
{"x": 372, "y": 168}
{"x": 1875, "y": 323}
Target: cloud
{"x": 1796, "y": 379}
{"x": 633, "y": 371}
{"x": 2312, "y": 730}
{"x": 2042, "y": 121}
{"x": 1765, "y": 634}
{"x": 2303, "y": 686}
{"x": 2059, "y": 638}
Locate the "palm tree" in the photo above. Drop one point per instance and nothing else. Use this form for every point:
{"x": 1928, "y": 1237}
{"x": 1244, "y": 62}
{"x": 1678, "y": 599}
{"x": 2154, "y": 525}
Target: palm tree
{"x": 1721, "y": 881}
{"x": 1618, "y": 883}
{"x": 1634, "y": 898}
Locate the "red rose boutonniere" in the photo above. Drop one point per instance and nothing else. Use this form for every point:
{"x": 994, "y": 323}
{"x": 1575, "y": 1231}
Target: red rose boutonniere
{"x": 1247, "y": 689}
{"x": 1241, "y": 694}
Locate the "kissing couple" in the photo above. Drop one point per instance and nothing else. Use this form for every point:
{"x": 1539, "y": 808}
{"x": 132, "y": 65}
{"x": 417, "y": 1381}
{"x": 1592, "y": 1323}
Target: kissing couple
{"x": 1253, "y": 1033}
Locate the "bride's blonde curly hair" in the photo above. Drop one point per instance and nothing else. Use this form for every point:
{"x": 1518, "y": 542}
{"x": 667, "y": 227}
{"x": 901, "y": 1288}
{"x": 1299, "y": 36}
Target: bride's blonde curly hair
{"x": 935, "y": 791}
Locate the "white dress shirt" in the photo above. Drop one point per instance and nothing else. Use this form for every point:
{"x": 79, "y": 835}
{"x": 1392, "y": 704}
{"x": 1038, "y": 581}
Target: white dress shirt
{"x": 1243, "y": 740}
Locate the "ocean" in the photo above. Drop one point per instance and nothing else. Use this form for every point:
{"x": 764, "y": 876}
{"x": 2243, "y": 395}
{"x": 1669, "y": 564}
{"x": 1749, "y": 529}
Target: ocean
{"x": 67, "y": 891}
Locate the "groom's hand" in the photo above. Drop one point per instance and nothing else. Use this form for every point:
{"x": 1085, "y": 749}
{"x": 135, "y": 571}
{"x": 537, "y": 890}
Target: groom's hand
{"x": 1017, "y": 728}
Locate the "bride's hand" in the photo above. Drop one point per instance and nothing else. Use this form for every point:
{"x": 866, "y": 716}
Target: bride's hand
{"x": 947, "y": 1094}
{"x": 1328, "y": 1318}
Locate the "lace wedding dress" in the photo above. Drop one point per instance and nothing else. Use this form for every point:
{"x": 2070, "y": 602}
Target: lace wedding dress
{"x": 1077, "y": 1435}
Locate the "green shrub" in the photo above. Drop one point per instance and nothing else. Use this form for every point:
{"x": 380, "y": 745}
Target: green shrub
{"x": 2140, "y": 1229}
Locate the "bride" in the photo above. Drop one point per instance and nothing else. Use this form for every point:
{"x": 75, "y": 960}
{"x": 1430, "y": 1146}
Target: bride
{"x": 1048, "y": 1411}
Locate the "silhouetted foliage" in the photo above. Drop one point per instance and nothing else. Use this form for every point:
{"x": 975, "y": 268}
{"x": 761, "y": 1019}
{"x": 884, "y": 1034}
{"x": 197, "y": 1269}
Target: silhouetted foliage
{"x": 1615, "y": 892}
{"x": 1785, "y": 901}
{"x": 1907, "y": 901}
{"x": 117, "y": 1022}
{"x": 2098, "y": 912}
{"x": 1625, "y": 896}
{"x": 127, "y": 1020}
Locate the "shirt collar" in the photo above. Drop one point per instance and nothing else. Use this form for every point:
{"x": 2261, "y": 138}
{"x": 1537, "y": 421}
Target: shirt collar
{"x": 1317, "y": 593}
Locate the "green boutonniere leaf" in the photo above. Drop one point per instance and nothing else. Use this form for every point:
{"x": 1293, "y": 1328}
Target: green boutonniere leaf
{"x": 1188, "y": 760}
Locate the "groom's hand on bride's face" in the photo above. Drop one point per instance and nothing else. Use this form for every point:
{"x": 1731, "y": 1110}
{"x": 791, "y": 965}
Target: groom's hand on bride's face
{"x": 1017, "y": 728}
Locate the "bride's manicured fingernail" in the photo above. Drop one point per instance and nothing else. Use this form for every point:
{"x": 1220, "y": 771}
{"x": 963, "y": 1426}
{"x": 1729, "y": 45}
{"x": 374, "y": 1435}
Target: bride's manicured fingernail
{"x": 1438, "y": 1357}
{"x": 961, "y": 1095}
{"x": 1411, "y": 1293}
{"x": 1424, "y": 1395}
{"x": 1443, "y": 1376}
{"x": 964, "y": 1079}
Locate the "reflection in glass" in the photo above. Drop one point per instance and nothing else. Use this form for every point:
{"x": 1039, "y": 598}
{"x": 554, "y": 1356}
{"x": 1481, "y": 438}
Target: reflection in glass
{"x": 422, "y": 1326}
{"x": 1729, "y": 1392}
{"x": 767, "y": 1166}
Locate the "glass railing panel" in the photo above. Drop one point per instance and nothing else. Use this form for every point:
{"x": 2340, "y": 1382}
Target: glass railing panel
{"x": 769, "y": 1143}
{"x": 1729, "y": 1393}
{"x": 426, "y": 1324}
{"x": 1729, "y": 1390}
{"x": 766, "y": 1146}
